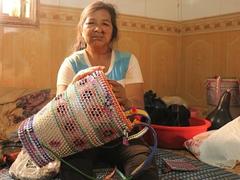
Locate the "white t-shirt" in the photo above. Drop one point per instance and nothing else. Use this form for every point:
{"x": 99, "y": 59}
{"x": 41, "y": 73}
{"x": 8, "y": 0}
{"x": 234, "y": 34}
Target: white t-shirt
{"x": 124, "y": 68}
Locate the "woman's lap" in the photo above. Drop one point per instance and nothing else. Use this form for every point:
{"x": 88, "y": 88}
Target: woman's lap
{"x": 127, "y": 158}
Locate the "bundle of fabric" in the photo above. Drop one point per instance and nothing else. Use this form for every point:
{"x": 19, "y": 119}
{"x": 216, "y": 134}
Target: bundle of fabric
{"x": 84, "y": 116}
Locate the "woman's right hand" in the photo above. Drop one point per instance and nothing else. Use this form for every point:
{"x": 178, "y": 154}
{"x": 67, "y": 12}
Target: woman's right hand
{"x": 120, "y": 93}
{"x": 83, "y": 73}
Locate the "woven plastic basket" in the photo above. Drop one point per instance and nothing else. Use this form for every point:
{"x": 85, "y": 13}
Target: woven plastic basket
{"x": 84, "y": 116}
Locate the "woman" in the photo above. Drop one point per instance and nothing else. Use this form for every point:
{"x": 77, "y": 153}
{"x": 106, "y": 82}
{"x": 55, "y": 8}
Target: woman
{"x": 97, "y": 30}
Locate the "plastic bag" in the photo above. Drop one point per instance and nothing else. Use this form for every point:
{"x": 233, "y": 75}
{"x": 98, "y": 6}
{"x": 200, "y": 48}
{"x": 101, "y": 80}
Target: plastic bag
{"x": 24, "y": 168}
{"x": 170, "y": 111}
{"x": 222, "y": 147}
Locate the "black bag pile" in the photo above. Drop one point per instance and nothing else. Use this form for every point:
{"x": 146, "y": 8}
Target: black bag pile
{"x": 161, "y": 114}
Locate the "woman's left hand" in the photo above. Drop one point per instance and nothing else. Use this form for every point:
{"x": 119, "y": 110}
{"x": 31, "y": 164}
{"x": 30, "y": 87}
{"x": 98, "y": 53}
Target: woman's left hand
{"x": 120, "y": 93}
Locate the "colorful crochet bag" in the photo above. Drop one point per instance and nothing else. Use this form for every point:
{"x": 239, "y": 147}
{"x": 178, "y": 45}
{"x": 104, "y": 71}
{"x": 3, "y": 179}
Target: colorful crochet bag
{"x": 86, "y": 115}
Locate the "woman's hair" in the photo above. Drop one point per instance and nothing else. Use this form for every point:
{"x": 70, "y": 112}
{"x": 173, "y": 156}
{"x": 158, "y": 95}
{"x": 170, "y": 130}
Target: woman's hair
{"x": 91, "y": 8}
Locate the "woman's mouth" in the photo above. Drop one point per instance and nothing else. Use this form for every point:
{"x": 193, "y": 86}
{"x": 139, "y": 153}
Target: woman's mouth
{"x": 97, "y": 37}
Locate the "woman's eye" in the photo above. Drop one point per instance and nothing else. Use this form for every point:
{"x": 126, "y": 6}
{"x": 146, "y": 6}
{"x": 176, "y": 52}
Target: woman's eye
{"x": 94, "y": 24}
{"x": 106, "y": 24}
{"x": 90, "y": 23}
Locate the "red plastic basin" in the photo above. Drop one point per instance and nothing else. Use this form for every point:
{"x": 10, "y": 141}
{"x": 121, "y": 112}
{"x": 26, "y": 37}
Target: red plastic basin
{"x": 173, "y": 137}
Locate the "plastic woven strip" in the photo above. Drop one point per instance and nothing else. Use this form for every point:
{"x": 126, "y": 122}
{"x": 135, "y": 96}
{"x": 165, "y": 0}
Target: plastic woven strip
{"x": 84, "y": 116}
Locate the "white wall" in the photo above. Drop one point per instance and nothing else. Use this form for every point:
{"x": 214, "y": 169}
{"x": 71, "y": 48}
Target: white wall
{"x": 192, "y": 9}
{"x": 160, "y": 9}
{"x": 163, "y": 9}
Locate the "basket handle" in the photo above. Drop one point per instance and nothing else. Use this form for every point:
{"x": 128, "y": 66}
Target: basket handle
{"x": 138, "y": 114}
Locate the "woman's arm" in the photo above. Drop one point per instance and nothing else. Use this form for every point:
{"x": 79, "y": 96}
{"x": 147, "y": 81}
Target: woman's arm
{"x": 135, "y": 94}
{"x": 134, "y": 84}
{"x": 61, "y": 88}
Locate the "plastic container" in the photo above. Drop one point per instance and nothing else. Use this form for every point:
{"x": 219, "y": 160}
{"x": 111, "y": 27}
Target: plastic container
{"x": 173, "y": 137}
{"x": 217, "y": 86}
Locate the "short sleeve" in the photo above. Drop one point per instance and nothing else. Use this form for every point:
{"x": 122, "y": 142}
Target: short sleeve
{"x": 134, "y": 74}
{"x": 65, "y": 73}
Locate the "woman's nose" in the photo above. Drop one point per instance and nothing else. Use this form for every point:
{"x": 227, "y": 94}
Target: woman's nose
{"x": 98, "y": 28}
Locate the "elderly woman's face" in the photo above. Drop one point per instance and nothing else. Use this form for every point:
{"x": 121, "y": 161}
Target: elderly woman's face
{"x": 97, "y": 29}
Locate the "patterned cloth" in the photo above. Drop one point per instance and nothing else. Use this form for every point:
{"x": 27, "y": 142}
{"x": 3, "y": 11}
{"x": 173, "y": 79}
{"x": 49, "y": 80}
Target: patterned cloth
{"x": 84, "y": 116}
{"x": 18, "y": 104}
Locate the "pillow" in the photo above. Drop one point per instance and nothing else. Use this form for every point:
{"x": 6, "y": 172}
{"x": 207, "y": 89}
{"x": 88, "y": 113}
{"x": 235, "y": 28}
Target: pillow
{"x": 17, "y": 105}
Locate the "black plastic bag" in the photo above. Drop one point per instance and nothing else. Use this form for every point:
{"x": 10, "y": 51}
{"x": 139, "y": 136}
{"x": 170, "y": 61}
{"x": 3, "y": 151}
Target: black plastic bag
{"x": 161, "y": 114}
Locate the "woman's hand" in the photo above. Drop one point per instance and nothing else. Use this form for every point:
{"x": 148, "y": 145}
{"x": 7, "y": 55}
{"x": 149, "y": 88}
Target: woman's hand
{"x": 120, "y": 94}
{"x": 83, "y": 73}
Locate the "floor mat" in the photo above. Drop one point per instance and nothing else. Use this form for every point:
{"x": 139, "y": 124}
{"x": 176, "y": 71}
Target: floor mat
{"x": 203, "y": 172}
